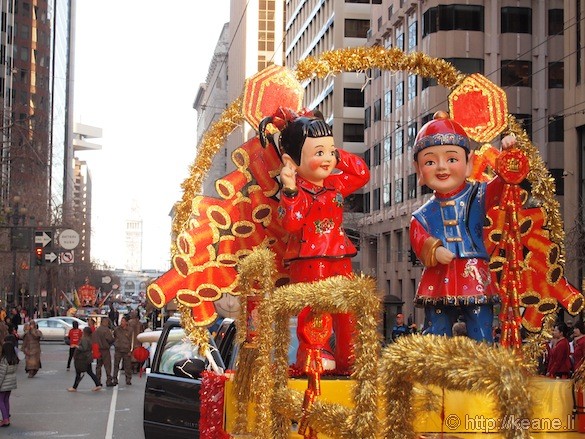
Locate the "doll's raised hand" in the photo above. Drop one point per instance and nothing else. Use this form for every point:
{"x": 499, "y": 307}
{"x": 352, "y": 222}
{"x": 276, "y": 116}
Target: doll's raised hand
{"x": 287, "y": 175}
{"x": 444, "y": 255}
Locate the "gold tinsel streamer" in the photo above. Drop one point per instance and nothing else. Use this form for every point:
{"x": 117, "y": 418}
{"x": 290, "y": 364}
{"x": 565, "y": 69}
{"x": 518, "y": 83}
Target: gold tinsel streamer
{"x": 199, "y": 335}
{"x": 456, "y": 363}
{"x": 276, "y": 404}
{"x": 535, "y": 344}
{"x": 257, "y": 269}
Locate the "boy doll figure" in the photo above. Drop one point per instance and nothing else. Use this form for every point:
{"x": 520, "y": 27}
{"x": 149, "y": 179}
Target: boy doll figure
{"x": 446, "y": 233}
{"x": 311, "y": 210}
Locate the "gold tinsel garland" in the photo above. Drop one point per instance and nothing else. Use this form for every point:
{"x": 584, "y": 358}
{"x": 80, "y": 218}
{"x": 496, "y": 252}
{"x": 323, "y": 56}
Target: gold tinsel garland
{"x": 456, "y": 363}
{"x": 276, "y": 404}
{"x": 256, "y": 277}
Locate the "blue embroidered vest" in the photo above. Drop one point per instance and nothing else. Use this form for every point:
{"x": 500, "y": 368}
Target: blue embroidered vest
{"x": 457, "y": 221}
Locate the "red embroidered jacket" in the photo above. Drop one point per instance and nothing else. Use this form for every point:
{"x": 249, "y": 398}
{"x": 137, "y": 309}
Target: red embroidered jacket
{"x": 314, "y": 216}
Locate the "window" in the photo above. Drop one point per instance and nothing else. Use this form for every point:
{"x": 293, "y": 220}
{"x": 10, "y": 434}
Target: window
{"x": 379, "y": 23}
{"x": 355, "y": 28}
{"x": 525, "y": 120}
{"x": 367, "y": 117}
{"x": 376, "y": 200}
{"x": 377, "y": 110}
{"x": 516, "y": 73}
{"x": 398, "y": 187}
{"x": 399, "y": 245}
{"x": 412, "y": 130}
{"x": 399, "y": 94}
{"x": 516, "y": 20}
{"x": 377, "y": 155}
{"x": 357, "y": 1}
{"x": 453, "y": 17}
{"x": 353, "y": 132}
{"x": 387, "y": 195}
{"x": 425, "y": 190}
{"x": 555, "y": 74}
{"x": 411, "y": 87}
{"x": 387, "y": 148}
{"x": 556, "y": 130}
{"x": 353, "y": 97}
{"x": 399, "y": 141}
{"x": 411, "y": 186}
{"x": 557, "y": 174}
{"x": 367, "y": 158}
{"x": 388, "y": 245}
{"x": 387, "y": 105}
{"x": 464, "y": 65}
{"x": 555, "y": 22}
{"x": 376, "y": 2}
{"x": 400, "y": 41}
{"x": 412, "y": 36}
{"x": 367, "y": 202}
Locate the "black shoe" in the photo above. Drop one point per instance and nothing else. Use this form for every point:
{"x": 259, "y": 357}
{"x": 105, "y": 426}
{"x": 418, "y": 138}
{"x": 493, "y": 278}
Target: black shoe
{"x": 115, "y": 382}
{"x": 110, "y": 384}
{"x": 128, "y": 383}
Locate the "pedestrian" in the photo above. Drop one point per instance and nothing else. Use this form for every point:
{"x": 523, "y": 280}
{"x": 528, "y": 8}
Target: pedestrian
{"x": 8, "y": 365}
{"x": 114, "y": 315}
{"x": 559, "y": 362}
{"x": 400, "y": 329}
{"x": 75, "y": 335}
{"x": 82, "y": 359}
{"x": 31, "y": 346}
{"x": 123, "y": 339}
{"x": 3, "y": 331}
{"x": 104, "y": 339}
{"x": 136, "y": 328}
{"x": 578, "y": 344}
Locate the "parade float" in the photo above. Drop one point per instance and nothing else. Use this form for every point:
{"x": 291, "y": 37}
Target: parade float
{"x": 234, "y": 244}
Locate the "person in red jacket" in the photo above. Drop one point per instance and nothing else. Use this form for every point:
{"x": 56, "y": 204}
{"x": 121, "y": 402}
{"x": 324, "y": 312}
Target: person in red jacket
{"x": 559, "y": 362}
{"x": 316, "y": 178}
{"x": 75, "y": 335}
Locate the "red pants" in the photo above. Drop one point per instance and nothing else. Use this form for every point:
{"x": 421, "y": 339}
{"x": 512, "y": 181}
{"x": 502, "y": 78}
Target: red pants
{"x": 310, "y": 270}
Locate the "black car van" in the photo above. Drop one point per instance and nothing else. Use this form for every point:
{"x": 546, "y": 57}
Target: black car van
{"x": 171, "y": 395}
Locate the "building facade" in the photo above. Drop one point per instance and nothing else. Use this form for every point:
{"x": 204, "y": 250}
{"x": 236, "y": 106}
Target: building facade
{"x": 210, "y": 102}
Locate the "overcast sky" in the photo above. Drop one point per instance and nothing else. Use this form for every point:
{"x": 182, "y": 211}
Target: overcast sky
{"x": 138, "y": 66}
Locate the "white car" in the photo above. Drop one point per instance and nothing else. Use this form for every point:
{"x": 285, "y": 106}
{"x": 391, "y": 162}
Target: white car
{"x": 53, "y": 329}
{"x": 70, "y": 320}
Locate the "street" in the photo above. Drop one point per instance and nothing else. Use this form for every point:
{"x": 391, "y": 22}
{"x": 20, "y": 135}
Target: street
{"x": 42, "y": 407}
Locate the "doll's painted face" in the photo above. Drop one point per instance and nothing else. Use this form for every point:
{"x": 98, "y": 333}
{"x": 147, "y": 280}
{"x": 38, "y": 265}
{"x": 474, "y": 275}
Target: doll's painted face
{"x": 318, "y": 159}
{"x": 443, "y": 168}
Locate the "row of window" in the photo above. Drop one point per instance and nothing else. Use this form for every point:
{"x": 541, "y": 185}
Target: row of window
{"x": 384, "y": 197}
{"x": 471, "y": 18}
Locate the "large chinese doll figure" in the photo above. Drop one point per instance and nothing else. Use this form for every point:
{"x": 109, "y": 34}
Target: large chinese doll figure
{"x": 446, "y": 233}
{"x": 316, "y": 178}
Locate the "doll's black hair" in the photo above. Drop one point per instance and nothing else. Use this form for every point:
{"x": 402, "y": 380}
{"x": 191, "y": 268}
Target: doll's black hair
{"x": 294, "y": 134}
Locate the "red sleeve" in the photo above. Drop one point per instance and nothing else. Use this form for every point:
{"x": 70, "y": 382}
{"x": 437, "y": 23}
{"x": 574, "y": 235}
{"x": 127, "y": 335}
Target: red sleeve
{"x": 355, "y": 173}
{"x": 293, "y": 211}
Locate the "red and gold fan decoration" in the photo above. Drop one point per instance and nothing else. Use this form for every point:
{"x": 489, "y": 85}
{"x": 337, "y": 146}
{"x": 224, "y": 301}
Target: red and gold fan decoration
{"x": 526, "y": 262}
{"x": 222, "y": 230}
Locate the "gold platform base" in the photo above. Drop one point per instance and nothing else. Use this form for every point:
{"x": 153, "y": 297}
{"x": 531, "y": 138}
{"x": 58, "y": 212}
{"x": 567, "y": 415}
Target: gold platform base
{"x": 444, "y": 414}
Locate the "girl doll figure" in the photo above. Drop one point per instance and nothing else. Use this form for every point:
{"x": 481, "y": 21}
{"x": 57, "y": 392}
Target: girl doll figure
{"x": 311, "y": 210}
{"x": 446, "y": 233}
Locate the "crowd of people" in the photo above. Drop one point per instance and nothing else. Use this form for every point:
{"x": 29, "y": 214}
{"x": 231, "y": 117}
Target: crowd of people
{"x": 95, "y": 343}
{"x": 85, "y": 346}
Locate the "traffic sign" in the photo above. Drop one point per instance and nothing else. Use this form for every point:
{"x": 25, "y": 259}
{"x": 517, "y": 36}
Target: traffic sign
{"x": 50, "y": 257}
{"x": 43, "y": 237}
{"x": 68, "y": 239}
{"x": 67, "y": 257}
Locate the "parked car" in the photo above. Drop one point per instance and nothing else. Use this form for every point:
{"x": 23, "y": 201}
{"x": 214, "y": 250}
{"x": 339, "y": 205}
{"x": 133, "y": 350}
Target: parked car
{"x": 53, "y": 329}
{"x": 70, "y": 320}
{"x": 171, "y": 395}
